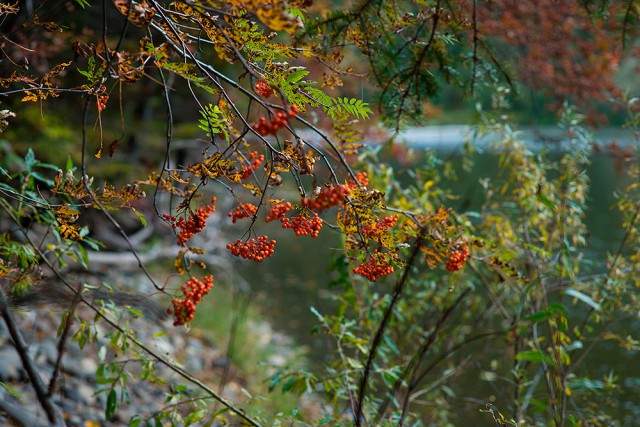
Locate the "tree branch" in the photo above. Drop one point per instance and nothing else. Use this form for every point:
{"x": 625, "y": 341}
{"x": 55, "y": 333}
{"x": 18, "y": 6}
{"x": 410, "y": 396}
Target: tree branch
{"x": 53, "y": 413}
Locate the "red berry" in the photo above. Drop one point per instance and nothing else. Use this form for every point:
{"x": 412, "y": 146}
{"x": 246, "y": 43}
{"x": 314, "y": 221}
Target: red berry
{"x": 457, "y": 259}
{"x": 194, "y": 290}
{"x": 243, "y": 211}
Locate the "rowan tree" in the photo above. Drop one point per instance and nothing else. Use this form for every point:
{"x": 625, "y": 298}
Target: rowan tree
{"x": 255, "y": 80}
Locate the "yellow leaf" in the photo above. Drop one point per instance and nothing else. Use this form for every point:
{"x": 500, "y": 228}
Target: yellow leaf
{"x": 68, "y": 231}
{"x": 255, "y": 190}
{"x": 30, "y": 96}
{"x": 178, "y": 262}
{"x": 68, "y": 213}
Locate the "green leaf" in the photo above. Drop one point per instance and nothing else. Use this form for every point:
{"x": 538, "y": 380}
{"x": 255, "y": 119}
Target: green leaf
{"x": 275, "y": 380}
{"x": 83, "y": 256}
{"x": 539, "y": 316}
{"x": 112, "y": 405}
{"x": 534, "y": 356}
{"x": 13, "y": 391}
{"x": 29, "y": 160}
{"x": 42, "y": 178}
{"x": 195, "y": 416}
{"x": 353, "y": 107}
{"x": 140, "y": 216}
{"x": 135, "y": 311}
{"x": 551, "y": 311}
{"x": 575, "y": 345}
{"x": 547, "y": 202}
{"x": 319, "y": 96}
{"x": 297, "y": 13}
{"x": 558, "y": 308}
{"x": 584, "y": 298}
{"x": 297, "y": 76}
{"x": 317, "y": 314}
{"x": 289, "y": 384}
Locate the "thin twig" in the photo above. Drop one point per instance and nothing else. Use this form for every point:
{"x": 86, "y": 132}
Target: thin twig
{"x": 377, "y": 339}
{"x": 53, "y": 413}
{"x": 68, "y": 321}
{"x": 421, "y": 353}
{"x": 146, "y": 349}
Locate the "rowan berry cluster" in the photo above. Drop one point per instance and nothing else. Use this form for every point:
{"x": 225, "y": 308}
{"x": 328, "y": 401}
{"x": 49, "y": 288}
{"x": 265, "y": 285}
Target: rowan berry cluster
{"x": 194, "y": 290}
{"x": 255, "y": 160}
{"x": 255, "y": 249}
{"x": 327, "y": 198}
{"x": 101, "y": 98}
{"x": 244, "y": 210}
{"x": 381, "y": 227}
{"x": 362, "y": 179}
{"x": 278, "y": 211}
{"x": 194, "y": 224}
{"x": 101, "y": 102}
{"x": 457, "y": 258}
{"x": 263, "y": 89}
{"x": 373, "y": 269}
{"x": 265, "y": 128}
{"x": 303, "y": 226}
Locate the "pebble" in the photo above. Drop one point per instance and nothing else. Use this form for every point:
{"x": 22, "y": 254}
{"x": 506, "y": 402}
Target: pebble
{"x": 75, "y": 393}
{"x": 11, "y": 366}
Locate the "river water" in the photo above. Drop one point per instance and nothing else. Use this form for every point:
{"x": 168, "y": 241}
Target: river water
{"x": 296, "y": 277}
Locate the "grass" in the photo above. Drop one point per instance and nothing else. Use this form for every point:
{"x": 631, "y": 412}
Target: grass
{"x": 229, "y": 319}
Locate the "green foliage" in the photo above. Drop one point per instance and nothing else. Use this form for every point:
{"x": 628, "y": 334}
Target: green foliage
{"x": 355, "y": 107}
{"x": 213, "y": 122}
{"x": 507, "y": 293}
{"x": 94, "y": 71}
{"x": 83, "y": 3}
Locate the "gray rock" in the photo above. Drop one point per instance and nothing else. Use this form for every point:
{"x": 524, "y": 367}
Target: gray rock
{"x": 10, "y": 365}
{"x": 47, "y": 351}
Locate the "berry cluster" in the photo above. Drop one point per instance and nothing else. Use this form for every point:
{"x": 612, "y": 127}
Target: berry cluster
{"x": 265, "y": 128}
{"x": 256, "y": 160}
{"x": 245, "y": 210}
{"x": 195, "y": 224}
{"x": 255, "y": 249}
{"x": 380, "y": 228}
{"x": 373, "y": 269}
{"x": 101, "y": 102}
{"x": 362, "y": 179}
{"x": 457, "y": 258}
{"x": 278, "y": 211}
{"x": 327, "y": 198}
{"x": 263, "y": 89}
{"x": 303, "y": 226}
{"x": 194, "y": 290}
{"x": 101, "y": 98}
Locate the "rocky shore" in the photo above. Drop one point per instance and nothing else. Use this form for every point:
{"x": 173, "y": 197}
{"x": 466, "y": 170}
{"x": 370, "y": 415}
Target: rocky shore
{"x": 76, "y": 394}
